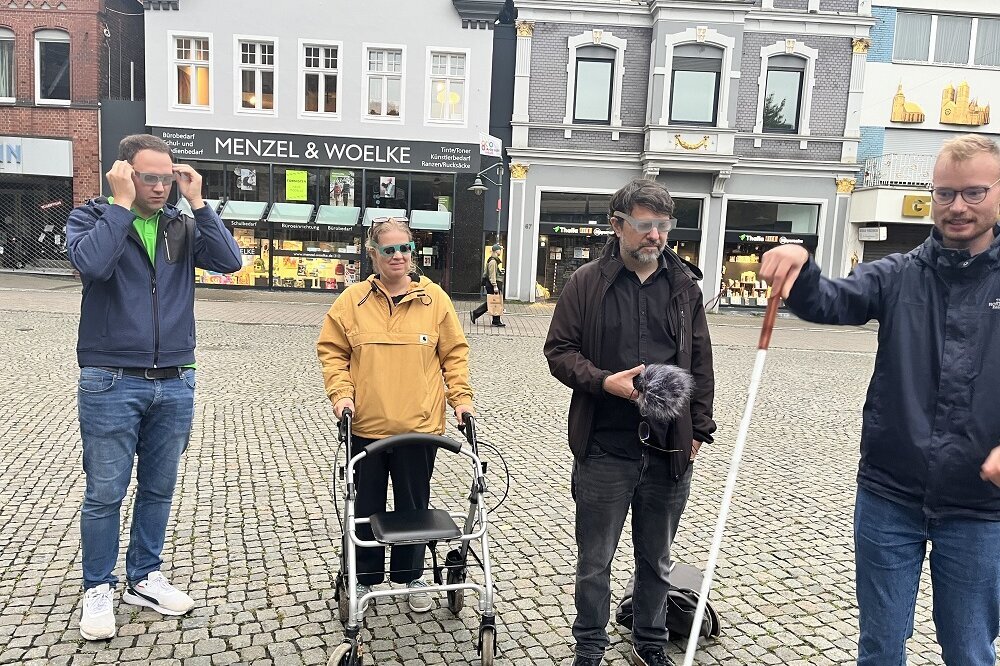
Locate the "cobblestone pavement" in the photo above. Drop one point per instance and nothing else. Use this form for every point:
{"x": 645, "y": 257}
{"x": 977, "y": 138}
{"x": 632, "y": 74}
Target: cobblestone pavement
{"x": 254, "y": 537}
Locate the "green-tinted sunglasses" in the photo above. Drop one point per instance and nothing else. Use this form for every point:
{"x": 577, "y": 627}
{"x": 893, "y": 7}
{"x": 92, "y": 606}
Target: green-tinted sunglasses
{"x": 402, "y": 248}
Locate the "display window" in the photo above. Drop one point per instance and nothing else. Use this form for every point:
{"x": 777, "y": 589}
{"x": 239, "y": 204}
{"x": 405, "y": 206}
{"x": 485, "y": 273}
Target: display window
{"x": 243, "y": 220}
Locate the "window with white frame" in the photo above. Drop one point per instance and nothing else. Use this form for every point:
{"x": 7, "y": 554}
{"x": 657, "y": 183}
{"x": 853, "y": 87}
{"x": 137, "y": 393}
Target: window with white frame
{"x": 783, "y": 93}
{"x": 192, "y": 66}
{"x": 52, "y": 67}
{"x": 594, "y": 85}
{"x": 946, "y": 39}
{"x": 321, "y": 72}
{"x": 256, "y": 76}
{"x": 694, "y": 84}
{"x": 384, "y": 76}
{"x": 6, "y": 65}
{"x": 447, "y": 86}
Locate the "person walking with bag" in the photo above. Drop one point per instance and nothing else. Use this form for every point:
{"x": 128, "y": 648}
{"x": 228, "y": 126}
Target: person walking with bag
{"x": 493, "y": 284}
{"x": 392, "y": 351}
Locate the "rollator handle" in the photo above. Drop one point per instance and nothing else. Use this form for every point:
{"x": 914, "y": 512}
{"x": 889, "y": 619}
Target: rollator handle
{"x": 468, "y": 428}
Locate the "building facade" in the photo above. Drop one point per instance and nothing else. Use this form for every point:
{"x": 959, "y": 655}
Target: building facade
{"x": 931, "y": 74}
{"x": 747, "y": 112}
{"x": 50, "y": 85}
{"x": 309, "y": 124}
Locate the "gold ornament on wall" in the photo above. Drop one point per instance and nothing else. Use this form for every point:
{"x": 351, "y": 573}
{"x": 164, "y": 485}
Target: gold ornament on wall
{"x": 845, "y": 185}
{"x": 525, "y": 28}
{"x": 958, "y": 108}
{"x": 687, "y": 145}
{"x": 903, "y": 111}
{"x": 860, "y": 44}
{"x": 518, "y": 171}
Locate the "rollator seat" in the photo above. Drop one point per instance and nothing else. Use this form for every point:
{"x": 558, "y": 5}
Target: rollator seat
{"x": 414, "y": 526}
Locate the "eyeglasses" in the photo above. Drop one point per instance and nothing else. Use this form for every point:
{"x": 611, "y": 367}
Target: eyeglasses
{"x": 972, "y": 195}
{"x": 402, "y": 248}
{"x": 663, "y": 224}
{"x": 154, "y": 178}
{"x": 383, "y": 220}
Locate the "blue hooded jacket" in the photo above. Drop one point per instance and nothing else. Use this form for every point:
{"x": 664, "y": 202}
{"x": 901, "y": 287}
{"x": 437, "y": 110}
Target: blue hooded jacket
{"x": 136, "y": 313}
{"x": 931, "y": 416}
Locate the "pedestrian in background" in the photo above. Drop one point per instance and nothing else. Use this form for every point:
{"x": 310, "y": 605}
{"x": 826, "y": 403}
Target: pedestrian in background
{"x": 136, "y": 256}
{"x": 930, "y": 436}
{"x": 393, "y": 346}
{"x": 492, "y": 284}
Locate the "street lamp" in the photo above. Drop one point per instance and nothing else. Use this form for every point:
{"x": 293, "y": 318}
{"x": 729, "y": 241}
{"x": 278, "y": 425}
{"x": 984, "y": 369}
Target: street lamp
{"x": 478, "y": 188}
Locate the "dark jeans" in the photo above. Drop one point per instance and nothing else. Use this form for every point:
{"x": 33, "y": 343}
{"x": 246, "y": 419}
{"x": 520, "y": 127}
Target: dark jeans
{"x": 410, "y": 468}
{"x": 604, "y": 487}
{"x": 481, "y": 310}
{"x": 890, "y": 543}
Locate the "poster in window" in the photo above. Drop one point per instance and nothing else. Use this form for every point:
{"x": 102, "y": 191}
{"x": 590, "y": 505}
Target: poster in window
{"x": 387, "y": 187}
{"x": 427, "y": 260}
{"x": 341, "y": 187}
{"x": 246, "y": 179}
{"x": 296, "y": 185}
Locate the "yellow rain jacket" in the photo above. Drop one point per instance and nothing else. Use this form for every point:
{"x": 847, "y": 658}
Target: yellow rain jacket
{"x": 395, "y": 361}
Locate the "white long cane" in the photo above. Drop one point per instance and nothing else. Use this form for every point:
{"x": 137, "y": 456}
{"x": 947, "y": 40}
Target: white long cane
{"x": 734, "y": 468}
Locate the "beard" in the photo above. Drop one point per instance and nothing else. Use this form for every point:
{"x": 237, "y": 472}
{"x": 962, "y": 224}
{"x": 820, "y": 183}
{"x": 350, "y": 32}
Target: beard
{"x": 637, "y": 254}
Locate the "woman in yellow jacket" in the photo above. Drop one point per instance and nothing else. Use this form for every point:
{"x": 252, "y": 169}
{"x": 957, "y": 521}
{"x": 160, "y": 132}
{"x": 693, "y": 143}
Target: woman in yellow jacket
{"x": 393, "y": 345}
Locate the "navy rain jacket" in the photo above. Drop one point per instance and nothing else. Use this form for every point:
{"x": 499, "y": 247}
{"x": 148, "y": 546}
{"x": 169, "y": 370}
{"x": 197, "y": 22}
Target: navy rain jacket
{"x": 134, "y": 313}
{"x": 932, "y": 414}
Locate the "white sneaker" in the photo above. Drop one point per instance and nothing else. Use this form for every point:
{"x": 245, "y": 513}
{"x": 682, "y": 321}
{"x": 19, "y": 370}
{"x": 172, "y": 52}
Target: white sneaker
{"x": 98, "y": 621}
{"x": 420, "y": 602}
{"x": 158, "y": 594}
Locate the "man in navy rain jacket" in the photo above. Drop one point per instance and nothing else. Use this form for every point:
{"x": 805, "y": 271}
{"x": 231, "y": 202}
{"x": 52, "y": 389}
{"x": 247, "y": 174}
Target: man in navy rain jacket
{"x": 930, "y": 439}
{"x": 136, "y": 256}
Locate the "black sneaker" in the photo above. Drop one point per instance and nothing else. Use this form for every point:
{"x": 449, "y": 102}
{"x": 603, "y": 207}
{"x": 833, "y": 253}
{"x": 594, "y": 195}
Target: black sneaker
{"x": 580, "y": 660}
{"x": 499, "y": 324}
{"x": 472, "y": 316}
{"x": 650, "y": 655}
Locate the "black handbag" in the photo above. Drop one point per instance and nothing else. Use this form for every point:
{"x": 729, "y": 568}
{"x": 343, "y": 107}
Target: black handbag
{"x": 682, "y": 600}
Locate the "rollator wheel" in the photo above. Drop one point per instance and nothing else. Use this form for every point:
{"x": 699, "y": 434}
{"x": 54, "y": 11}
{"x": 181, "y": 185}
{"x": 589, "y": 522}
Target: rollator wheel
{"x": 456, "y": 598}
{"x": 341, "y": 656}
{"x": 489, "y": 645}
{"x": 343, "y": 601}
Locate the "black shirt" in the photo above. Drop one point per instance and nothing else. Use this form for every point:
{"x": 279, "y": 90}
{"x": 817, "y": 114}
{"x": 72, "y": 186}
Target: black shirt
{"x": 635, "y": 331}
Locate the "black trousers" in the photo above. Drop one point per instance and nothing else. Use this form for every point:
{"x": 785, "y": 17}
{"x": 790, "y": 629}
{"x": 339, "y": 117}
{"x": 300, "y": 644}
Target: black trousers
{"x": 410, "y": 468}
{"x": 481, "y": 310}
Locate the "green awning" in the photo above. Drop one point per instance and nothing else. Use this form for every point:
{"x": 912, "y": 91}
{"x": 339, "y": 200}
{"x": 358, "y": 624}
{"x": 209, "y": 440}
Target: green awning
{"x": 338, "y": 216}
{"x": 375, "y": 213}
{"x": 430, "y": 220}
{"x": 243, "y": 210}
{"x": 213, "y": 204}
{"x": 292, "y": 213}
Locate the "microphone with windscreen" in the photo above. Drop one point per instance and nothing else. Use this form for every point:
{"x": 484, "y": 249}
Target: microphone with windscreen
{"x": 664, "y": 391}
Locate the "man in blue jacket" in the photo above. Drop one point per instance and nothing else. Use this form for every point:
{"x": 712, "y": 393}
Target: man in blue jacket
{"x": 930, "y": 460}
{"x": 136, "y": 256}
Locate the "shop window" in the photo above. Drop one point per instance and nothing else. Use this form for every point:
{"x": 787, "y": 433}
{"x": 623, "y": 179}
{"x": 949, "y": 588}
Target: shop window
{"x": 688, "y": 213}
{"x": 384, "y": 82}
{"x": 594, "y": 85}
{"x": 6, "y": 65}
{"x": 386, "y": 189}
{"x": 783, "y": 94}
{"x": 789, "y": 218}
{"x": 256, "y": 74}
{"x": 343, "y": 188}
{"x": 446, "y": 95}
{"x": 320, "y": 79}
{"x": 52, "y": 67}
{"x": 248, "y": 182}
{"x": 192, "y": 65}
{"x": 694, "y": 85}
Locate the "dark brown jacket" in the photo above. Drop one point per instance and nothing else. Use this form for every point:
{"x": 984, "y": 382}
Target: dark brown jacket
{"x": 574, "y": 342}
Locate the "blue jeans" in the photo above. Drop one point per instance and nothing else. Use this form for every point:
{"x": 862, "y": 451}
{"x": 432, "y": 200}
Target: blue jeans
{"x": 890, "y": 541}
{"x": 605, "y": 486}
{"x": 122, "y": 417}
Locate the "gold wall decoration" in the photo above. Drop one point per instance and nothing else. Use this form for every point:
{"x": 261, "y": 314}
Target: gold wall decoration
{"x": 687, "y": 145}
{"x": 958, "y": 108}
{"x": 518, "y": 171}
{"x": 903, "y": 111}
{"x": 846, "y": 185}
{"x": 860, "y": 44}
{"x": 916, "y": 205}
{"x": 525, "y": 28}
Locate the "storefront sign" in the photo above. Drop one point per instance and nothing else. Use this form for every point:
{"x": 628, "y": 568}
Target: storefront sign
{"x": 490, "y": 145}
{"x": 771, "y": 239}
{"x": 872, "y": 233}
{"x": 296, "y": 184}
{"x": 310, "y": 150}
{"x": 37, "y": 157}
{"x": 588, "y": 231}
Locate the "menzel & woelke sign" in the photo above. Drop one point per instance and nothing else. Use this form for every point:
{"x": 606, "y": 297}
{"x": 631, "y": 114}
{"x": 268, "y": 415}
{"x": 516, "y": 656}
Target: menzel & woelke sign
{"x": 308, "y": 150}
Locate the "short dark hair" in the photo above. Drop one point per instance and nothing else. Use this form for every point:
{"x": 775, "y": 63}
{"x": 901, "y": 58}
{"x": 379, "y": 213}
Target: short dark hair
{"x": 642, "y": 192}
{"x": 133, "y": 143}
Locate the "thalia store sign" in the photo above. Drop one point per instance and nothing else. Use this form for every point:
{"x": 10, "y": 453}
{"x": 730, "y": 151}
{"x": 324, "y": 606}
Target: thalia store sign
{"x": 778, "y": 240}
{"x": 307, "y": 150}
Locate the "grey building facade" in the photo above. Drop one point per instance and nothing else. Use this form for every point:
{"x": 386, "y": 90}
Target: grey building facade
{"x": 746, "y": 111}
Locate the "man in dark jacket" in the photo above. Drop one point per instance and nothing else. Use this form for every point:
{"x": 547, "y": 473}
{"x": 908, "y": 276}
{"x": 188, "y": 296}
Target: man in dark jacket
{"x": 930, "y": 460}
{"x": 638, "y": 304}
{"x": 136, "y": 256}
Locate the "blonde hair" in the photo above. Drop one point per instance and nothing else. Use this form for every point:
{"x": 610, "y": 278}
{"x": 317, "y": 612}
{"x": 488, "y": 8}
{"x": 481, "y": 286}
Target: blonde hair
{"x": 967, "y": 146}
{"x": 392, "y": 224}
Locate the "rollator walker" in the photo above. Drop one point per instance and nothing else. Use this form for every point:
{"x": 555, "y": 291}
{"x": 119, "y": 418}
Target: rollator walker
{"x": 413, "y": 527}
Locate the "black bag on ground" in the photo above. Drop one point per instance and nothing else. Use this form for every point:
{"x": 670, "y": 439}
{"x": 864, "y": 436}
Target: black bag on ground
{"x": 682, "y": 600}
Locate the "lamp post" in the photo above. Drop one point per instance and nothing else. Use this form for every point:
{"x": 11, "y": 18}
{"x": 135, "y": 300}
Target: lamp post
{"x": 478, "y": 188}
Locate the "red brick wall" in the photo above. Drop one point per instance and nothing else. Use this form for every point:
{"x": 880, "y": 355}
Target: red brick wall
{"x": 79, "y": 121}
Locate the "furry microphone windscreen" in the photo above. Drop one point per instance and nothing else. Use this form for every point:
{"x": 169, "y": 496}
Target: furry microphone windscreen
{"x": 664, "y": 391}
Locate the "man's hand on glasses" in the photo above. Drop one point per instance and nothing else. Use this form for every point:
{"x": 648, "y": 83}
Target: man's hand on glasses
{"x": 121, "y": 183}
{"x": 189, "y": 185}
